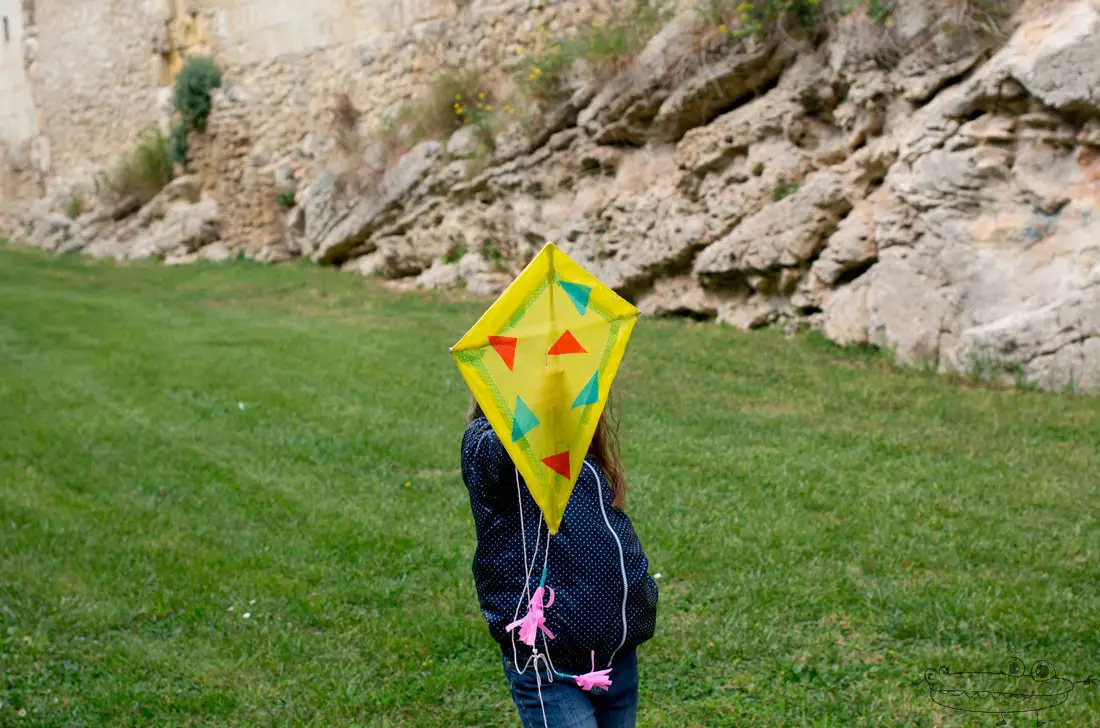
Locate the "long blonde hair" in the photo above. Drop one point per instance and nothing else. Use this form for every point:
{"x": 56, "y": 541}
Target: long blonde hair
{"x": 604, "y": 448}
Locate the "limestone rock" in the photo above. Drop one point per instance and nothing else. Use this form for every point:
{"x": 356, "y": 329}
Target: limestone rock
{"x": 488, "y": 284}
{"x": 400, "y": 256}
{"x": 53, "y": 232}
{"x": 716, "y": 86}
{"x": 1057, "y": 58}
{"x": 783, "y": 235}
{"x": 184, "y": 228}
{"x": 215, "y": 252}
{"x": 1050, "y": 343}
{"x": 335, "y": 232}
{"x": 708, "y": 148}
{"x": 441, "y": 275}
{"x": 679, "y": 296}
{"x": 852, "y": 248}
{"x": 752, "y": 313}
{"x": 463, "y": 143}
{"x": 366, "y": 265}
{"x": 619, "y": 111}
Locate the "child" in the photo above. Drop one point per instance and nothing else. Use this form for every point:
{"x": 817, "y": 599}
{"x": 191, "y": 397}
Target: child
{"x": 586, "y": 591}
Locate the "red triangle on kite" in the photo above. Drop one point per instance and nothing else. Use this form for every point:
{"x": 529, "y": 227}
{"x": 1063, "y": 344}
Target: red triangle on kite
{"x": 558, "y": 463}
{"x": 567, "y": 344}
{"x": 506, "y": 347}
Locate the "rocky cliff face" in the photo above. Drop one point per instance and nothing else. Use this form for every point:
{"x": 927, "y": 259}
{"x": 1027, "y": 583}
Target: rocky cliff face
{"x": 934, "y": 194}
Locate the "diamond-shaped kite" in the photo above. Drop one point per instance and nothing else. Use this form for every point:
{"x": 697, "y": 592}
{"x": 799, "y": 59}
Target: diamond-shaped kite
{"x": 540, "y": 362}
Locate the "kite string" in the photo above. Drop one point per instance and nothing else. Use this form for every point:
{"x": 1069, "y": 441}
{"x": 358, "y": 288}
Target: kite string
{"x": 528, "y": 567}
{"x": 535, "y": 654}
{"x": 548, "y": 663}
{"x": 622, "y": 559}
{"x": 525, "y": 595}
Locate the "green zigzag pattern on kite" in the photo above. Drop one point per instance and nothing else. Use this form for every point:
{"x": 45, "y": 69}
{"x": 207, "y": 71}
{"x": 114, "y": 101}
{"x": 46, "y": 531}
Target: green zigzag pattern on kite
{"x": 522, "y": 310}
{"x": 478, "y": 364}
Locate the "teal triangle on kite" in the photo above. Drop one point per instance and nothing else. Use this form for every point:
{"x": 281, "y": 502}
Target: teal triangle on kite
{"x": 523, "y": 421}
{"x": 590, "y": 394}
{"x": 578, "y": 294}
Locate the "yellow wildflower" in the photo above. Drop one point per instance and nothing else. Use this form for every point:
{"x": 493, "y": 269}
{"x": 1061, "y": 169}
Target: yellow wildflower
{"x": 542, "y": 28}
{"x": 458, "y": 97}
{"x": 481, "y": 95}
{"x": 489, "y": 107}
{"x": 722, "y": 29}
{"x": 408, "y": 484}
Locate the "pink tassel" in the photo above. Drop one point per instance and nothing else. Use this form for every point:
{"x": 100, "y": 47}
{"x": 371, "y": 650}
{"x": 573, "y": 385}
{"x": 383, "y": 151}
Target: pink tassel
{"x": 535, "y": 620}
{"x": 594, "y": 679}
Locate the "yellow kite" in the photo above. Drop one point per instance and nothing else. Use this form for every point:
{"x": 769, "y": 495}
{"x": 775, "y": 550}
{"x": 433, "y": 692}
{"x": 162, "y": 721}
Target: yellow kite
{"x": 540, "y": 362}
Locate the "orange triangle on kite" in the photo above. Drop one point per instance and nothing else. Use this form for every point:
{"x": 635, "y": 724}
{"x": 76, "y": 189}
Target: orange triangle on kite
{"x": 558, "y": 463}
{"x": 505, "y": 346}
{"x": 567, "y": 344}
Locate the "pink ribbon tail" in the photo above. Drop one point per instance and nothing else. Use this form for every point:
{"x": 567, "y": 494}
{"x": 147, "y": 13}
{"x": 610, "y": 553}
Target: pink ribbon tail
{"x": 594, "y": 679}
{"x": 535, "y": 619}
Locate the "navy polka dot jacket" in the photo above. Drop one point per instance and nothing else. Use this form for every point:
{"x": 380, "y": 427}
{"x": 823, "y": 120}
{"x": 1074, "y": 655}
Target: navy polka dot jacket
{"x": 583, "y": 567}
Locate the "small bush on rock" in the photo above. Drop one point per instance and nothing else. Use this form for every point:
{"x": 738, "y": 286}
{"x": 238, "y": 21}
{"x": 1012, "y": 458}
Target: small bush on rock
{"x": 603, "y": 49}
{"x": 456, "y": 98}
{"x": 144, "y": 172}
{"x": 178, "y": 145}
{"x": 76, "y": 204}
{"x": 194, "y": 86}
{"x": 286, "y": 200}
{"x": 741, "y": 18}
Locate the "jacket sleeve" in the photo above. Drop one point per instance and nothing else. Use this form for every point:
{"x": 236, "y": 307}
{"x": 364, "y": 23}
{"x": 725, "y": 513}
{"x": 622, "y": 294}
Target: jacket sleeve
{"x": 487, "y": 468}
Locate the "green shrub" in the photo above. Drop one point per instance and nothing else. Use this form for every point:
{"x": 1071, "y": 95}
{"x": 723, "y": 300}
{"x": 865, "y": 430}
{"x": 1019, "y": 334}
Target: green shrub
{"x": 454, "y": 254}
{"x": 456, "y": 98}
{"x": 607, "y": 49}
{"x": 783, "y": 190}
{"x": 75, "y": 205}
{"x": 143, "y": 172}
{"x": 748, "y": 18}
{"x": 491, "y": 253}
{"x": 194, "y": 85}
{"x": 286, "y": 200}
{"x": 178, "y": 146}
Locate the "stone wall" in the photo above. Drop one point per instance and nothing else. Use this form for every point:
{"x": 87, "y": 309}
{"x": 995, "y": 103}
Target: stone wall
{"x": 105, "y": 67}
{"x": 17, "y": 114}
{"x": 285, "y": 66}
{"x": 94, "y": 81}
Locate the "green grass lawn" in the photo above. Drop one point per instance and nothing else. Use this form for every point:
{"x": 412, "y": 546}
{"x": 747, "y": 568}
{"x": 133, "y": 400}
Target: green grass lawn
{"x": 204, "y": 517}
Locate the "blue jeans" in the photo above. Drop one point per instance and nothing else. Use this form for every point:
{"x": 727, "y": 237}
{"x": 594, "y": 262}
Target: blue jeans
{"x": 567, "y": 706}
